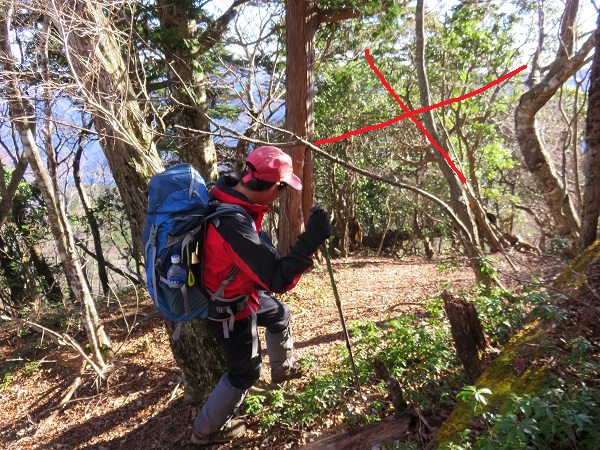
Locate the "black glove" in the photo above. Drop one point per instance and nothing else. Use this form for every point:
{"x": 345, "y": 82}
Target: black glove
{"x": 317, "y": 230}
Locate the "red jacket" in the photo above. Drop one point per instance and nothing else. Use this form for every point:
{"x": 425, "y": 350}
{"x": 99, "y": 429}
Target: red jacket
{"x": 232, "y": 240}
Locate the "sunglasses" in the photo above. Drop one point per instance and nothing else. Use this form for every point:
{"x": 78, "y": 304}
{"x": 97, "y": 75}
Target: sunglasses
{"x": 281, "y": 185}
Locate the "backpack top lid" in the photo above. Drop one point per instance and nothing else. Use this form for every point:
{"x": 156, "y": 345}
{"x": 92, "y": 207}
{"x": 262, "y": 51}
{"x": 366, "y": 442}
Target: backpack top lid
{"x": 180, "y": 189}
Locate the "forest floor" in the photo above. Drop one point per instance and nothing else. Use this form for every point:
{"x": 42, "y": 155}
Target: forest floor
{"x": 141, "y": 406}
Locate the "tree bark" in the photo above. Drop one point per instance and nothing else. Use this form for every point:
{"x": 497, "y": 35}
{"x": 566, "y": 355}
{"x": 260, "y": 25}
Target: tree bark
{"x": 299, "y": 62}
{"x": 537, "y": 159}
{"x": 469, "y": 338}
{"x": 101, "y": 74}
{"x": 199, "y": 357}
{"x": 302, "y": 18}
{"x": 591, "y": 193}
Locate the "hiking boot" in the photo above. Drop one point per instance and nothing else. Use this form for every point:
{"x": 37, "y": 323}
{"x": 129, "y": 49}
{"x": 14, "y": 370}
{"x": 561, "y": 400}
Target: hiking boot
{"x": 284, "y": 373}
{"x": 231, "y": 430}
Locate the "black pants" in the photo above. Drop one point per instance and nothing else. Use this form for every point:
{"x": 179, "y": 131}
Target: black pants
{"x": 244, "y": 366}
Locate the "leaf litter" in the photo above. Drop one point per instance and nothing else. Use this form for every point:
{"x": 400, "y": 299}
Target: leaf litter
{"x": 141, "y": 404}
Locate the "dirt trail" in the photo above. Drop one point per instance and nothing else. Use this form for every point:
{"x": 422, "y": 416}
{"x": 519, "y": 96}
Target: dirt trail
{"x": 141, "y": 407}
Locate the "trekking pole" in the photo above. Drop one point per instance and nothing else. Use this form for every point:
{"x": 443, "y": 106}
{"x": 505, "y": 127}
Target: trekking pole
{"x": 339, "y": 307}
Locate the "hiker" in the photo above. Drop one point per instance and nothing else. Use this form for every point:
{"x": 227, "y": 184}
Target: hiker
{"x": 231, "y": 242}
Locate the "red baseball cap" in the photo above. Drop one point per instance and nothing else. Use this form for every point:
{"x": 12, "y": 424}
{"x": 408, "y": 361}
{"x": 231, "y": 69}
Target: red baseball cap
{"x": 268, "y": 163}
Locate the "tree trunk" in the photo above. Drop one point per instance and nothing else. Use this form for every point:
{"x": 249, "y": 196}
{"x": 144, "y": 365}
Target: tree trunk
{"x": 420, "y": 235}
{"x": 188, "y": 87}
{"x": 308, "y": 173}
{"x": 197, "y": 354}
{"x": 591, "y": 193}
{"x": 537, "y": 159}
{"x": 16, "y": 295}
{"x": 99, "y": 344}
{"x": 101, "y": 74}
{"x": 302, "y": 18}
{"x": 386, "y": 226}
{"x": 458, "y": 191}
{"x": 36, "y": 256}
{"x": 92, "y": 222}
{"x": 298, "y": 42}
{"x": 199, "y": 357}
{"x": 527, "y": 362}
{"x": 7, "y": 192}
{"x": 54, "y": 294}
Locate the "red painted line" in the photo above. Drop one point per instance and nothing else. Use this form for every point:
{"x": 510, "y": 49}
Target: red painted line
{"x": 412, "y": 114}
{"x": 413, "y": 118}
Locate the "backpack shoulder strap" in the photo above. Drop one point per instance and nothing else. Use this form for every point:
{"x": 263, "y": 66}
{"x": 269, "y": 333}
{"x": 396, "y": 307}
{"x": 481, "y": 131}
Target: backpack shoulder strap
{"x": 226, "y": 209}
{"x": 230, "y": 209}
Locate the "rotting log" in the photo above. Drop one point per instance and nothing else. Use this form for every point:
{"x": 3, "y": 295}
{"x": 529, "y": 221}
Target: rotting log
{"x": 388, "y": 429}
{"x": 469, "y": 338}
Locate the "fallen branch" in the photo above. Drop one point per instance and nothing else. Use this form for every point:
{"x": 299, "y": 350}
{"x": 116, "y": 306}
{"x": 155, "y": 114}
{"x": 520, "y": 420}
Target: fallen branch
{"x": 58, "y": 338}
{"x": 76, "y": 383}
{"x": 174, "y": 392}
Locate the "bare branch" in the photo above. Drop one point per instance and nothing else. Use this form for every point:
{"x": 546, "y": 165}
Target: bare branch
{"x": 61, "y": 339}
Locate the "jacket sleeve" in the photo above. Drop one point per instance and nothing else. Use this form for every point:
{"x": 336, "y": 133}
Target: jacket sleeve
{"x": 257, "y": 257}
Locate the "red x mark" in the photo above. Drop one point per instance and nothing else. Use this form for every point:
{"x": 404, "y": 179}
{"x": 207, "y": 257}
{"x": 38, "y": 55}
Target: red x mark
{"x": 413, "y": 114}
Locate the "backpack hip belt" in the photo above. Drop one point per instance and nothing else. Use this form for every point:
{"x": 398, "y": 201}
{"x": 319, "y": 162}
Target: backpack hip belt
{"x": 220, "y": 306}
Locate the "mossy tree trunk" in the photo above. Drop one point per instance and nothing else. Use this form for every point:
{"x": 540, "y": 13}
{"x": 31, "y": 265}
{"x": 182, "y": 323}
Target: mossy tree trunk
{"x": 502, "y": 377}
{"x": 199, "y": 357}
{"x": 525, "y": 366}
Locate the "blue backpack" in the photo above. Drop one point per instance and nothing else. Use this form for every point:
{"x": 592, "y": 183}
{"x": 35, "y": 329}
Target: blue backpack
{"x": 178, "y": 208}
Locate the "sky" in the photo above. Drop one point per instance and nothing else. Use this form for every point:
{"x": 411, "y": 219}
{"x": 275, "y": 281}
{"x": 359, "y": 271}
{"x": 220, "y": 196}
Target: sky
{"x": 587, "y": 23}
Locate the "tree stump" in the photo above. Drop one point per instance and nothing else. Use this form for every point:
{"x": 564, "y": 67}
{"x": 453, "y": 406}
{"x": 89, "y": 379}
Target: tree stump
{"x": 469, "y": 338}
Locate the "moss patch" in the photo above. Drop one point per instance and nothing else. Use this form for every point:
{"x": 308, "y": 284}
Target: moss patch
{"x": 518, "y": 369}
{"x": 574, "y": 276}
